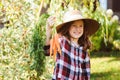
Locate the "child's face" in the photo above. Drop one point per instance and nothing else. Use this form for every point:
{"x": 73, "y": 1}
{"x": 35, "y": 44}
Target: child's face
{"x": 76, "y": 29}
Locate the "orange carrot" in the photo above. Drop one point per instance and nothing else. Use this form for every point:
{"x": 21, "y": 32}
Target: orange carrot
{"x": 57, "y": 43}
{"x": 51, "y": 47}
{"x": 55, "y": 46}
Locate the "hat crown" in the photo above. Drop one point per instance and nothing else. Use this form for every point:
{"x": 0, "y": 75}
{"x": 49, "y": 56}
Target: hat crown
{"x": 72, "y": 15}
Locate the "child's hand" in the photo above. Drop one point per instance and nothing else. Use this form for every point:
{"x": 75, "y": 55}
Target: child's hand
{"x": 49, "y": 25}
{"x": 50, "y": 22}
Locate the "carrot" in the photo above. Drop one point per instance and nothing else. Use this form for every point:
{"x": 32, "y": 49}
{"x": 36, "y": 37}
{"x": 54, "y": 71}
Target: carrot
{"x": 57, "y": 43}
{"x": 51, "y": 47}
{"x": 55, "y": 46}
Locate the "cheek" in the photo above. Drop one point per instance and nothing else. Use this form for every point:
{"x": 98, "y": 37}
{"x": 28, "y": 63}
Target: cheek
{"x": 71, "y": 33}
{"x": 72, "y": 29}
{"x": 82, "y": 29}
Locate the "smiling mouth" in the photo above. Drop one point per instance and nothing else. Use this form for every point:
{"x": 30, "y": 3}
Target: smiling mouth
{"x": 76, "y": 32}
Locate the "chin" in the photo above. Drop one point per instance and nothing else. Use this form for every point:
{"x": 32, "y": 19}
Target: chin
{"x": 78, "y": 36}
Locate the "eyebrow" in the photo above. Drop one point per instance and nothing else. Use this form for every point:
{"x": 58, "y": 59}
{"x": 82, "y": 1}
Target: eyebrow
{"x": 80, "y": 24}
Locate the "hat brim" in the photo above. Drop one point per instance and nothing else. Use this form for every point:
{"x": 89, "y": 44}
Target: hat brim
{"x": 92, "y": 25}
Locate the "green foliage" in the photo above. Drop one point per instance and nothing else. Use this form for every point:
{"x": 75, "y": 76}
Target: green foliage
{"x": 14, "y": 59}
{"x": 19, "y": 13}
{"x": 37, "y": 43}
{"x": 15, "y": 39}
{"x": 103, "y": 39}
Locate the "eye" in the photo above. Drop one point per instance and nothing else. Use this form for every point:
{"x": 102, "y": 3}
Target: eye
{"x": 74, "y": 25}
{"x": 81, "y": 25}
{"x": 77, "y": 26}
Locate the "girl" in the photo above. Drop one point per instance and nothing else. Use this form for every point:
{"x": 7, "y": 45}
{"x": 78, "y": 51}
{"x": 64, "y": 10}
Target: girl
{"x": 73, "y": 37}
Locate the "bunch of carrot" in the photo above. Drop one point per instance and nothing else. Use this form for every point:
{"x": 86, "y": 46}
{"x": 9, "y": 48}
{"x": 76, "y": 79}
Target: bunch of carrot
{"x": 55, "y": 46}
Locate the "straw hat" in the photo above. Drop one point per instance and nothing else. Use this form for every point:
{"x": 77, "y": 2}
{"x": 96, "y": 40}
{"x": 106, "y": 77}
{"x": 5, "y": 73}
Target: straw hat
{"x": 73, "y": 15}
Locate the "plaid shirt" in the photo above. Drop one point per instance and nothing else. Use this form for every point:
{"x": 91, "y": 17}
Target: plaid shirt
{"x": 72, "y": 64}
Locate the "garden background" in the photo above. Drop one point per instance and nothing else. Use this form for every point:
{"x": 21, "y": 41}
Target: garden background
{"x": 22, "y": 37}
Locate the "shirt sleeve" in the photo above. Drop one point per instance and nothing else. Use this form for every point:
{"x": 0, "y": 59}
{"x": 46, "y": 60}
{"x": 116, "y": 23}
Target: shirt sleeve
{"x": 87, "y": 66}
{"x": 46, "y": 49}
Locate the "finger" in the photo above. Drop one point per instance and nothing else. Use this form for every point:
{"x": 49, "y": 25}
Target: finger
{"x": 51, "y": 18}
{"x": 51, "y": 22}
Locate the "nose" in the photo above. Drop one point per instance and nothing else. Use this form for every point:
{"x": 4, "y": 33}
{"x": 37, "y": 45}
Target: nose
{"x": 78, "y": 28}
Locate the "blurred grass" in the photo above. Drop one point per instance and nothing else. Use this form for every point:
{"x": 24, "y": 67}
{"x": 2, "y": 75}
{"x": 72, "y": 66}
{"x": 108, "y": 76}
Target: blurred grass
{"x": 105, "y": 66}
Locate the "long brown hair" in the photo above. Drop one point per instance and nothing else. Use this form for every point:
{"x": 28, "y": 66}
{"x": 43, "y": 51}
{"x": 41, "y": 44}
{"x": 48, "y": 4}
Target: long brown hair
{"x": 82, "y": 41}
